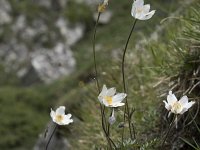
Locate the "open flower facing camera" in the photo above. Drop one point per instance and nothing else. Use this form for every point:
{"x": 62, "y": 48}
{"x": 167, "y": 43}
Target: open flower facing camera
{"x": 109, "y": 98}
{"x": 141, "y": 11}
{"x": 59, "y": 116}
{"x": 175, "y": 106}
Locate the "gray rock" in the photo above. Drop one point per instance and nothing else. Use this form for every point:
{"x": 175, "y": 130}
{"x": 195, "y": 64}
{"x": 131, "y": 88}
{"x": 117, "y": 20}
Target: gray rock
{"x": 71, "y": 34}
{"x": 36, "y": 48}
{"x": 13, "y": 54}
{"x": 5, "y": 9}
{"x": 53, "y": 64}
{"x": 57, "y": 142}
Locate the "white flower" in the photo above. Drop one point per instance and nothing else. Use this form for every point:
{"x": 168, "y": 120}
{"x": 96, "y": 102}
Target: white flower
{"x": 109, "y": 98}
{"x": 59, "y": 116}
{"x": 141, "y": 11}
{"x": 175, "y": 106}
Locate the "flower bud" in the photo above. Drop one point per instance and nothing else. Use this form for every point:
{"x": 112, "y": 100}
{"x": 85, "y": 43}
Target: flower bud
{"x": 112, "y": 118}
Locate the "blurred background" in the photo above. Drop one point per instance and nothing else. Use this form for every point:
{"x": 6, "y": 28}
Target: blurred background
{"x": 46, "y": 61}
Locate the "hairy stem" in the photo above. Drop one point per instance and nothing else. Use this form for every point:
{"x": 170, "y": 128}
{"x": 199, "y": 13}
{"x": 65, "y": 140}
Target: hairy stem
{"x": 103, "y": 117}
{"x": 126, "y": 108}
{"x": 94, "y": 52}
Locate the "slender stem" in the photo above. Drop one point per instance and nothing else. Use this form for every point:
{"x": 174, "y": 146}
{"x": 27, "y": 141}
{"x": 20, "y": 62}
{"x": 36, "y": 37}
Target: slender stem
{"x": 126, "y": 108}
{"x": 51, "y": 136}
{"x": 165, "y": 138}
{"x": 108, "y": 130}
{"x": 94, "y": 52}
{"x": 103, "y": 121}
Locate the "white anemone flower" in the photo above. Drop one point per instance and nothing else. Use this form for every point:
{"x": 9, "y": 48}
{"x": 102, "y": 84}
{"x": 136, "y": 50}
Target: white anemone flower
{"x": 110, "y": 98}
{"x": 59, "y": 116}
{"x": 141, "y": 11}
{"x": 175, "y": 106}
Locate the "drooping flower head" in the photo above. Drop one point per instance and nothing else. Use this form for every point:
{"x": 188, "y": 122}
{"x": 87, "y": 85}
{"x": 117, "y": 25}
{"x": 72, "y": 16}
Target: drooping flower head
{"x": 112, "y": 118}
{"x": 141, "y": 11}
{"x": 175, "y": 106}
{"x": 110, "y": 98}
{"x": 59, "y": 116}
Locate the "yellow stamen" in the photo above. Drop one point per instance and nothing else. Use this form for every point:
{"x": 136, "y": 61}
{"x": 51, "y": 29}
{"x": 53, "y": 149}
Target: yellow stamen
{"x": 108, "y": 99}
{"x": 177, "y": 107}
{"x": 139, "y": 10}
{"x": 59, "y": 118}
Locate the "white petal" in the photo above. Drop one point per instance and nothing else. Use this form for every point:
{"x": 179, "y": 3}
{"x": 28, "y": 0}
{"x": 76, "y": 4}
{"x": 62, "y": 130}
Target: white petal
{"x": 67, "y": 120}
{"x": 139, "y": 16}
{"x": 183, "y": 100}
{"x": 148, "y": 15}
{"x": 171, "y": 98}
{"x": 138, "y": 3}
{"x": 188, "y": 105}
{"x": 111, "y": 92}
{"x": 146, "y": 9}
{"x": 183, "y": 110}
{"x": 133, "y": 10}
{"x": 60, "y": 110}
{"x": 68, "y": 115}
{"x": 167, "y": 106}
{"x": 118, "y": 104}
{"x": 119, "y": 97}
{"x": 59, "y": 123}
{"x": 103, "y": 91}
{"x": 100, "y": 97}
{"x": 52, "y": 114}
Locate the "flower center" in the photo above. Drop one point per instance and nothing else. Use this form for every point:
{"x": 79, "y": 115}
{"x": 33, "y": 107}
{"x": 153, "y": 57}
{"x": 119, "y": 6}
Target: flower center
{"x": 177, "y": 107}
{"x": 59, "y": 118}
{"x": 108, "y": 99}
{"x": 139, "y": 10}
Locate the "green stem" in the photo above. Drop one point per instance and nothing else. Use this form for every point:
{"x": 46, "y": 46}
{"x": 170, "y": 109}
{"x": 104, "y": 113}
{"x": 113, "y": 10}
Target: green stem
{"x": 126, "y": 108}
{"x": 103, "y": 118}
{"x": 94, "y": 52}
{"x": 51, "y": 136}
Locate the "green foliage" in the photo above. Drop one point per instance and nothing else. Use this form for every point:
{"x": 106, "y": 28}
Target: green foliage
{"x": 22, "y": 117}
{"x": 7, "y": 78}
{"x": 177, "y": 62}
{"x": 78, "y": 12}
